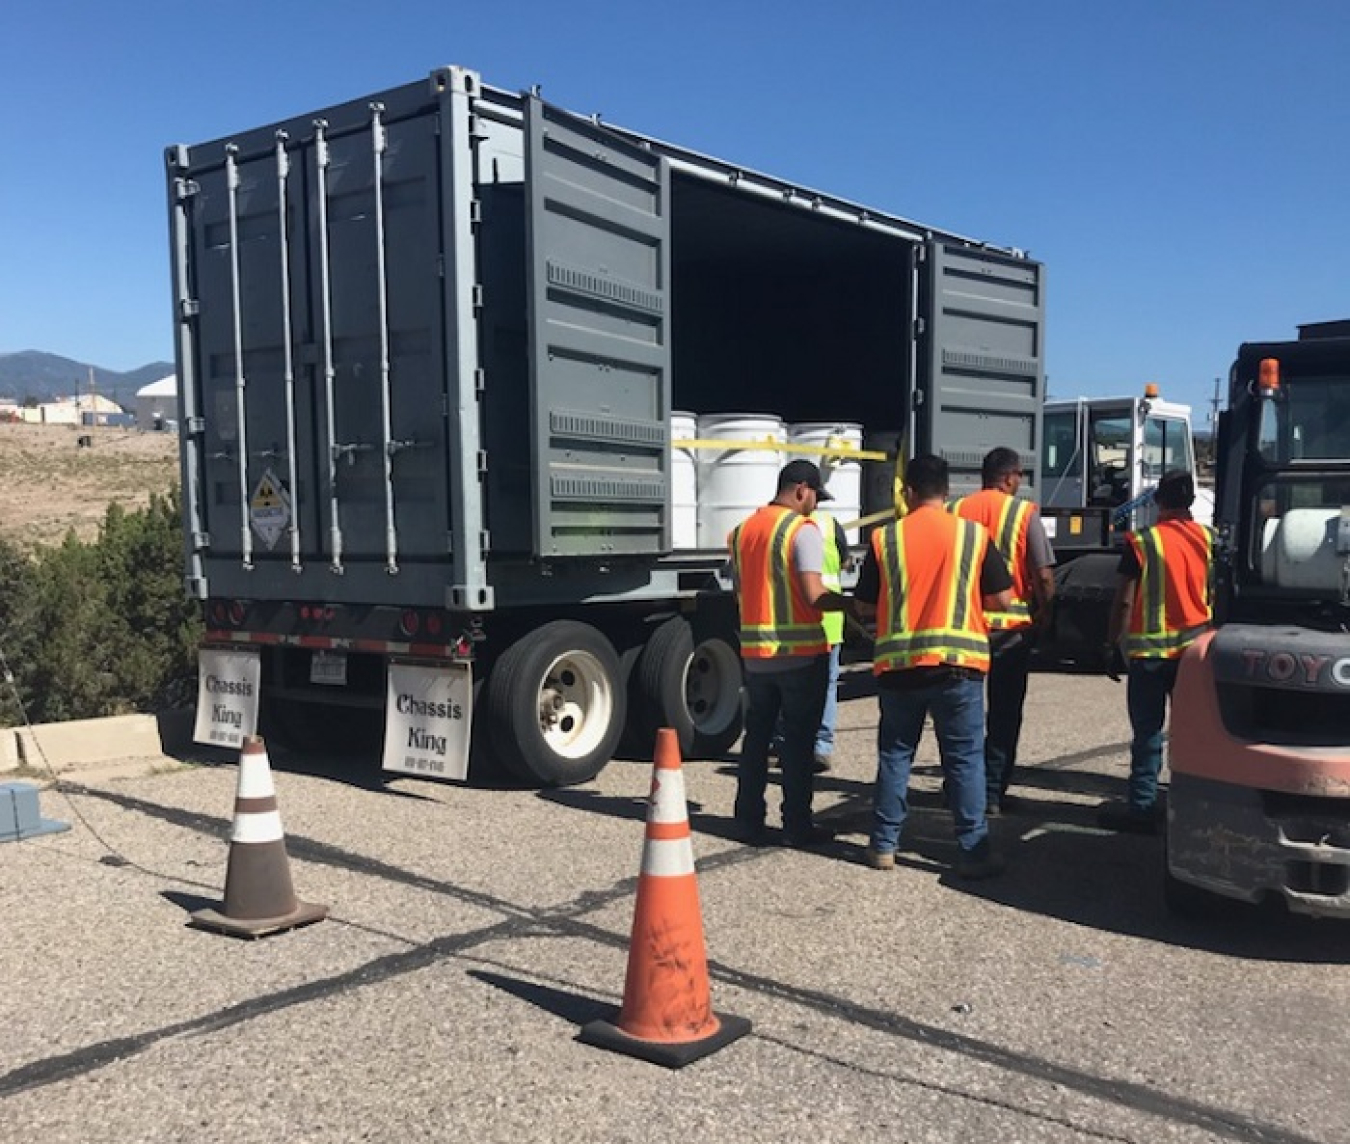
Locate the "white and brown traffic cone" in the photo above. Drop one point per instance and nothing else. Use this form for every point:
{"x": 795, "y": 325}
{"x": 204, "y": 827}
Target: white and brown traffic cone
{"x": 667, "y": 1016}
{"x": 259, "y": 896}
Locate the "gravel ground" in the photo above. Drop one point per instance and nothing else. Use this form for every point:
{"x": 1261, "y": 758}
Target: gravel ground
{"x": 473, "y": 930}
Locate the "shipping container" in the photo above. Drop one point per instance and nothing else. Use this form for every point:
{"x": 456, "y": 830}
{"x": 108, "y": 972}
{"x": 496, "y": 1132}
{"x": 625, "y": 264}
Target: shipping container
{"x": 430, "y": 343}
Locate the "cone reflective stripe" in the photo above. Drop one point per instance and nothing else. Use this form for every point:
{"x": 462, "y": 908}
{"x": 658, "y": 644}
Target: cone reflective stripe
{"x": 667, "y": 1015}
{"x": 259, "y": 896}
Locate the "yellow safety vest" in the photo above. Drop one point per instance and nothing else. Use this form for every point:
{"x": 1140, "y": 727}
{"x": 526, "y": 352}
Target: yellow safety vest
{"x": 831, "y": 574}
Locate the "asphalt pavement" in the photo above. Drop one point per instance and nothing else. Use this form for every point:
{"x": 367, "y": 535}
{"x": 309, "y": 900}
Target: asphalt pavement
{"x": 475, "y": 928}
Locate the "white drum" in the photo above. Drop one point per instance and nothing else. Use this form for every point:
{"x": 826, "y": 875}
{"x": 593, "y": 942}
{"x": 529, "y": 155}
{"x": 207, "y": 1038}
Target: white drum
{"x": 842, "y": 474}
{"x": 683, "y": 483}
{"x": 733, "y": 481}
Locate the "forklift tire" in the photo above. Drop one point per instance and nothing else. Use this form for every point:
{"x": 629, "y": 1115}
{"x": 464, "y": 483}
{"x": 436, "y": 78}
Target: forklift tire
{"x": 1182, "y": 899}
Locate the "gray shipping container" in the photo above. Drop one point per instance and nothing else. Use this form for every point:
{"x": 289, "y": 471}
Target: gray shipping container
{"x": 429, "y": 343}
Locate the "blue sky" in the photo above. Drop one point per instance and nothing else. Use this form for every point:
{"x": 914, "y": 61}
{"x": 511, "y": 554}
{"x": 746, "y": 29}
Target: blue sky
{"x": 1181, "y": 168}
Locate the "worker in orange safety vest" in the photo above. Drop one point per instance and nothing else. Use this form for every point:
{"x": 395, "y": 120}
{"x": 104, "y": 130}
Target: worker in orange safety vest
{"x": 930, "y": 577}
{"x": 1015, "y": 525}
{"x": 1163, "y": 603}
{"x": 777, "y": 558}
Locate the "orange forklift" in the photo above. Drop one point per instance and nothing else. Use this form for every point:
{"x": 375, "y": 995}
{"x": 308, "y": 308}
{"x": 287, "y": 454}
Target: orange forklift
{"x": 1259, "y": 804}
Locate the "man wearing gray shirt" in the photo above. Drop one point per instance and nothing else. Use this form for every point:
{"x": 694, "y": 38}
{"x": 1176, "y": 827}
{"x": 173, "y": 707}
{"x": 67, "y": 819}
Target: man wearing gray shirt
{"x": 777, "y": 555}
{"x": 1014, "y": 524}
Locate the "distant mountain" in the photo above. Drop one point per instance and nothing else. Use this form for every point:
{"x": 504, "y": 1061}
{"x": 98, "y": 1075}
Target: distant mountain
{"x": 32, "y": 373}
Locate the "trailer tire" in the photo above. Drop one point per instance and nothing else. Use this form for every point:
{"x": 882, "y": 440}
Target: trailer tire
{"x": 658, "y": 690}
{"x": 556, "y": 704}
{"x": 714, "y": 696}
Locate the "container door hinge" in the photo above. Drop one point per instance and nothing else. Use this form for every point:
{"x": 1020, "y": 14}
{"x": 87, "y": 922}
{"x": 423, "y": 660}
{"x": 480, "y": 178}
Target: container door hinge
{"x": 482, "y": 461}
{"x": 477, "y": 297}
{"x": 188, "y": 308}
{"x": 920, "y": 327}
{"x": 475, "y": 212}
{"x": 479, "y": 380}
{"x": 196, "y": 426}
{"x": 184, "y": 189}
{"x": 201, "y": 541}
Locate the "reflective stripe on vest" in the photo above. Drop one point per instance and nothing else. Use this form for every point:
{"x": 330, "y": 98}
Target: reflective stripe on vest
{"x": 1172, "y": 603}
{"x": 830, "y": 574}
{"x": 776, "y": 619}
{"x": 928, "y": 607}
{"x": 1008, "y": 520}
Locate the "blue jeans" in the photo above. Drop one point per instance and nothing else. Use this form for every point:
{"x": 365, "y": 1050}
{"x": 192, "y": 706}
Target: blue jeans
{"x": 957, "y": 708}
{"x": 798, "y": 694}
{"x": 1146, "y": 695}
{"x": 825, "y": 732}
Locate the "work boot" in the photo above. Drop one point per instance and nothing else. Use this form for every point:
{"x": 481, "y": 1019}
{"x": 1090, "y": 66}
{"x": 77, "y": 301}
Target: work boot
{"x": 750, "y": 833}
{"x": 880, "y": 859}
{"x": 979, "y": 863}
{"x": 813, "y": 837}
{"x": 1126, "y": 819}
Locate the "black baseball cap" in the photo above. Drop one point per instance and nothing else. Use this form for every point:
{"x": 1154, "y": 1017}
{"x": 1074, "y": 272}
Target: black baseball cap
{"x": 803, "y": 473}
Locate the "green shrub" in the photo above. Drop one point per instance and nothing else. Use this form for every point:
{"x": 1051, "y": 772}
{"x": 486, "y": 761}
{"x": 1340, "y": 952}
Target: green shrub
{"x": 102, "y": 628}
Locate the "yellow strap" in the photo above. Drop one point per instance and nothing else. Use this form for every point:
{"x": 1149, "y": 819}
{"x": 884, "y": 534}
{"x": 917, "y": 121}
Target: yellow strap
{"x": 836, "y": 447}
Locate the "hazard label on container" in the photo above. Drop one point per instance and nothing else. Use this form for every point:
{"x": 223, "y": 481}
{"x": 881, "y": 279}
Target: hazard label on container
{"x": 228, "y": 683}
{"x": 426, "y": 720}
{"x": 269, "y": 509}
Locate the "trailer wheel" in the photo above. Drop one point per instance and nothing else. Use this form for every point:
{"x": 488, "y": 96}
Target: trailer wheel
{"x": 695, "y": 689}
{"x": 556, "y": 704}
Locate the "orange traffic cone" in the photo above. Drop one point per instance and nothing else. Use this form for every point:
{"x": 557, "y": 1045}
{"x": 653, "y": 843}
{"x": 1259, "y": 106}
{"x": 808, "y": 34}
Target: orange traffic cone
{"x": 259, "y": 897}
{"x": 667, "y": 1015}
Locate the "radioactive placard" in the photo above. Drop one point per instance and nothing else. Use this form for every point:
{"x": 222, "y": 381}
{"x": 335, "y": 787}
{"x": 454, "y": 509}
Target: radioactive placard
{"x": 269, "y": 509}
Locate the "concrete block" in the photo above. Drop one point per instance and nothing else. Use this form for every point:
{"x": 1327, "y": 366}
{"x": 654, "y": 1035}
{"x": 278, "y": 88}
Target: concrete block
{"x": 81, "y": 742}
{"x": 9, "y": 749}
{"x": 20, "y": 816}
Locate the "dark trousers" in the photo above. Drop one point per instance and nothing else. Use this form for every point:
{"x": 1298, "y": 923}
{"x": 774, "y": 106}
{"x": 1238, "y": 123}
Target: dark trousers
{"x": 798, "y": 693}
{"x": 1009, "y": 666}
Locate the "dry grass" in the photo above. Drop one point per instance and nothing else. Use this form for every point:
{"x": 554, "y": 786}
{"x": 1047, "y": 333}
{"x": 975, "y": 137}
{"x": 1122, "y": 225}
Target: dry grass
{"x": 51, "y": 485}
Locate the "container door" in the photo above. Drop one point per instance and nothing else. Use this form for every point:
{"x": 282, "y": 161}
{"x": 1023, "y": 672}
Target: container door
{"x": 598, "y": 256}
{"x": 981, "y": 358}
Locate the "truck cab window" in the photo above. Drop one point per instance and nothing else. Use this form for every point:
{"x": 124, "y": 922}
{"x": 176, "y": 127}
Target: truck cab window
{"x": 1061, "y": 445}
{"x": 1111, "y": 460}
{"x": 1167, "y": 445}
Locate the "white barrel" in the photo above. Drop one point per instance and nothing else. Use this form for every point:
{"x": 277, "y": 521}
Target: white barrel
{"x": 842, "y": 474}
{"x": 733, "y": 482}
{"x": 683, "y": 483}
{"x": 1298, "y": 550}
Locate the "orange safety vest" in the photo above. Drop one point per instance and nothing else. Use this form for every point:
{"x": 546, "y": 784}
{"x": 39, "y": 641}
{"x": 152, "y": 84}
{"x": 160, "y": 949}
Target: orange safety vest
{"x": 776, "y": 619}
{"x": 1008, "y": 520}
{"x": 1173, "y": 597}
{"x": 929, "y": 609}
